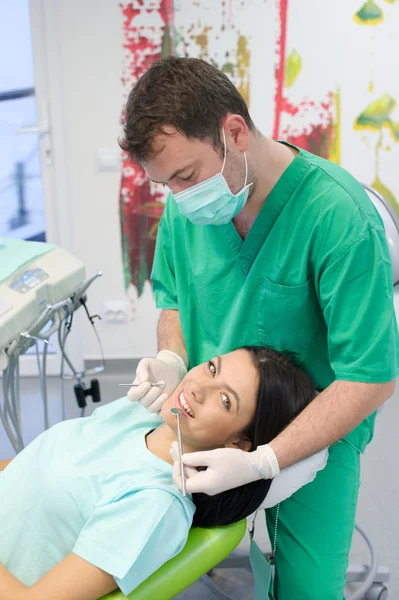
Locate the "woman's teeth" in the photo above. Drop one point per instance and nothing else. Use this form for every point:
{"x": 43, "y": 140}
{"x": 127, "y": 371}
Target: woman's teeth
{"x": 185, "y": 406}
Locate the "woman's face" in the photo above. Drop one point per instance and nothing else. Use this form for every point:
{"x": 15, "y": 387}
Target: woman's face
{"x": 218, "y": 400}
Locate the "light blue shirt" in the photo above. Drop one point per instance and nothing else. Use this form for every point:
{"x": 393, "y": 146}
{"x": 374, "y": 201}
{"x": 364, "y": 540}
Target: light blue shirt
{"x": 91, "y": 486}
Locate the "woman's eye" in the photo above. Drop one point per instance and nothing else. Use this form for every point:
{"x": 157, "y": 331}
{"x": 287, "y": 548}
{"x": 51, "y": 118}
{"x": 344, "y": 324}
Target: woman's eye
{"x": 226, "y": 402}
{"x": 212, "y": 368}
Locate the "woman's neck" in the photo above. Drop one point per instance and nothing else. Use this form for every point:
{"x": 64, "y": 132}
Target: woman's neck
{"x": 160, "y": 440}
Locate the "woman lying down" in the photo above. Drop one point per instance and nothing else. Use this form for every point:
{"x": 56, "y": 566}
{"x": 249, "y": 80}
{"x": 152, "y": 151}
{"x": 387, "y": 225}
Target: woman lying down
{"x": 90, "y": 505}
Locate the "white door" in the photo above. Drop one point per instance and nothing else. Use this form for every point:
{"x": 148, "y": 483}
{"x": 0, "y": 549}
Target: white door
{"x": 33, "y": 170}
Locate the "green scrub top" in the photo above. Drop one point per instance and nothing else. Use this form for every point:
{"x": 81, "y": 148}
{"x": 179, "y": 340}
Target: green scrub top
{"x": 312, "y": 279}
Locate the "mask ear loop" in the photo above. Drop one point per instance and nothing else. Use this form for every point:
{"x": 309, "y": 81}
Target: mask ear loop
{"x": 246, "y": 169}
{"x": 225, "y": 150}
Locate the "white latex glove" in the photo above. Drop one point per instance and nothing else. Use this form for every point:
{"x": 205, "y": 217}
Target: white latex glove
{"x": 289, "y": 481}
{"x": 167, "y": 368}
{"x": 227, "y": 468}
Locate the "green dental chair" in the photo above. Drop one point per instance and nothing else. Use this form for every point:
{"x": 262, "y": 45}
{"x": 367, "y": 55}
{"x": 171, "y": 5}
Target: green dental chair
{"x": 205, "y": 549}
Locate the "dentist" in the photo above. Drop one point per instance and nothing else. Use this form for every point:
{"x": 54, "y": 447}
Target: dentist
{"x": 264, "y": 243}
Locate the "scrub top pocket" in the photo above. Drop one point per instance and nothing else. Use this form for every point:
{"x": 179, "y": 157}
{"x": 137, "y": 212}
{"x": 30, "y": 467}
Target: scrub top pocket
{"x": 289, "y": 317}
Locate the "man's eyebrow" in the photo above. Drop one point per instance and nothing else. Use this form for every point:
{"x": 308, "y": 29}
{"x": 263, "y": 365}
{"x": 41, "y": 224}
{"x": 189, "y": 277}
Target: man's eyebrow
{"x": 226, "y": 385}
{"x": 176, "y": 173}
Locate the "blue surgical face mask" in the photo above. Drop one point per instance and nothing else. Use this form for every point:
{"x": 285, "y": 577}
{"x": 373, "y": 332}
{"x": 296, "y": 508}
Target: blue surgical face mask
{"x": 211, "y": 202}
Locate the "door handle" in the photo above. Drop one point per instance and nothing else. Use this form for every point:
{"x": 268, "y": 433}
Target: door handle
{"x": 34, "y": 129}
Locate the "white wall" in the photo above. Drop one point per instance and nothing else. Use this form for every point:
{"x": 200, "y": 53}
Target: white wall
{"x": 90, "y": 39}
{"x": 336, "y": 52}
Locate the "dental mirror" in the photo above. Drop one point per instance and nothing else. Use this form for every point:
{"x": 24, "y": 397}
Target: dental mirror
{"x": 177, "y": 412}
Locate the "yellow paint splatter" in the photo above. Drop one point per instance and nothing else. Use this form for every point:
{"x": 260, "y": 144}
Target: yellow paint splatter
{"x": 202, "y": 40}
{"x": 335, "y": 152}
{"x": 243, "y": 61}
{"x": 293, "y": 67}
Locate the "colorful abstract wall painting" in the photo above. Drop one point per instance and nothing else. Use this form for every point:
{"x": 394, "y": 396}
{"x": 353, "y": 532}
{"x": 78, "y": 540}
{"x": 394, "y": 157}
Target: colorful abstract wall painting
{"x": 319, "y": 75}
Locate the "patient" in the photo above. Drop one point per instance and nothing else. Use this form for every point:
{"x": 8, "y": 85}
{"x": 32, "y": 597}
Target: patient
{"x": 90, "y": 505}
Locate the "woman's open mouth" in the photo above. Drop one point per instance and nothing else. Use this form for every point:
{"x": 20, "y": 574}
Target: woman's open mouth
{"x": 182, "y": 403}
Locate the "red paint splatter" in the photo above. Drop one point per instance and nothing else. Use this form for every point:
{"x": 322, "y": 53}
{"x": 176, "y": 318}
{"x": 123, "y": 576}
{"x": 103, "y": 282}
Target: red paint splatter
{"x": 286, "y": 106}
{"x": 280, "y": 68}
{"x": 140, "y": 208}
{"x": 317, "y": 138}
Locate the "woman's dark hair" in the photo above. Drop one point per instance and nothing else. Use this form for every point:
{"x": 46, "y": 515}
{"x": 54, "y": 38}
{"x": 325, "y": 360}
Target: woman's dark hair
{"x": 187, "y": 93}
{"x": 284, "y": 391}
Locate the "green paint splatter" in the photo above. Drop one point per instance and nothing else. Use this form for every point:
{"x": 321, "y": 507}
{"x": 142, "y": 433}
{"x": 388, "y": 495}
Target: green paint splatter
{"x": 143, "y": 271}
{"x": 369, "y": 14}
{"x": 394, "y": 129}
{"x": 228, "y": 68}
{"x": 166, "y": 49}
{"x": 376, "y": 115}
{"x": 125, "y": 261}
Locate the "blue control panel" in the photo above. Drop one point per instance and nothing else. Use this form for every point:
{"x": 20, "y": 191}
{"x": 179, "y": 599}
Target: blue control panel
{"x": 28, "y": 280}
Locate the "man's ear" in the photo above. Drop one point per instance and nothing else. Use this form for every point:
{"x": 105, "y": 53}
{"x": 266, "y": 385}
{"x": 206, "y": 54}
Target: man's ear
{"x": 241, "y": 443}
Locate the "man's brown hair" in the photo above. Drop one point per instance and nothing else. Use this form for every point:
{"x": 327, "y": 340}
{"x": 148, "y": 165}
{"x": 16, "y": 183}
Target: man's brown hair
{"x": 186, "y": 93}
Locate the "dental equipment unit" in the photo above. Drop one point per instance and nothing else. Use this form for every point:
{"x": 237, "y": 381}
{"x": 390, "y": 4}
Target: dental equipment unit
{"x": 41, "y": 287}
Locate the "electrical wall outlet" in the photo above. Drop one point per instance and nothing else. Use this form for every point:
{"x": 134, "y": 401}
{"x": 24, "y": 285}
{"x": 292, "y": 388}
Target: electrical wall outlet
{"x": 115, "y": 311}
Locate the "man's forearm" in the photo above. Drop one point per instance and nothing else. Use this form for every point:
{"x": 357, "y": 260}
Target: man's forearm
{"x": 329, "y": 418}
{"x": 170, "y": 335}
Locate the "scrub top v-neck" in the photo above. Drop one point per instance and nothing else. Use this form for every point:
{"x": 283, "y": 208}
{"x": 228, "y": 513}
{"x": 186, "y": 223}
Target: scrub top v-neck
{"x": 312, "y": 279}
{"x": 247, "y": 249}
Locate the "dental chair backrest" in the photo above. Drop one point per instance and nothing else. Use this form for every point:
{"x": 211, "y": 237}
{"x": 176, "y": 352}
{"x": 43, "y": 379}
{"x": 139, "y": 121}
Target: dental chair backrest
{"x": 391, "y": 224}
{"x": 204, "y": 550}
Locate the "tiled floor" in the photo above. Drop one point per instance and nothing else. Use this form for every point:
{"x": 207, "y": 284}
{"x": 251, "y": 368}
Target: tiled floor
{"x": 377, "y": 511}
